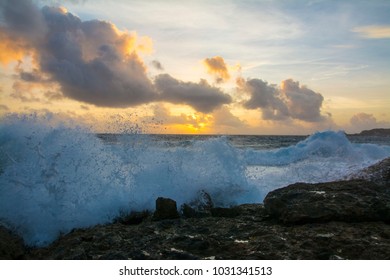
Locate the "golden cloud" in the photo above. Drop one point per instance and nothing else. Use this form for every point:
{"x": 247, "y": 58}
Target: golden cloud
{"x": 217, "y": 67}
{"x": 11, "y": 48}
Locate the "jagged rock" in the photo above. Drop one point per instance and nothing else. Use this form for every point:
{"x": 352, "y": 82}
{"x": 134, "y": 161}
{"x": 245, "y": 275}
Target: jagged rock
{"x": 11, "y": 246}
{"x": 378, "y": 173}
{"x": 349, "y": 201}
{"x": 165, "y": 209}
{"x": 198, "y": 208}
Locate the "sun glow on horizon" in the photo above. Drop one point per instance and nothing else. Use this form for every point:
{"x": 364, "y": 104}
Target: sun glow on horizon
{"x": 179, "y": 75}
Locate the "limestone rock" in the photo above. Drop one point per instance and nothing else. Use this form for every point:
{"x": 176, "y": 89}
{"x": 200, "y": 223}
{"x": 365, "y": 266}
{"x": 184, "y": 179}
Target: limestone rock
{"x": 348, "y": 201}
{"x": 165, "y": 209}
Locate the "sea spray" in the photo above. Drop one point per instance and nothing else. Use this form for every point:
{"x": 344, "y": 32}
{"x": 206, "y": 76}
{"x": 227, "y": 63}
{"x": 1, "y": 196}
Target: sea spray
{"x": 55, "y": 177}
{"x": 319, "y": 146}
{"x": 322, "y": 157}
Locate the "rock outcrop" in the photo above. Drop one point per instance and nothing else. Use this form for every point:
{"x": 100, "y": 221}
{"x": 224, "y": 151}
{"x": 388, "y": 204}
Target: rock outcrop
{"x": 166, "y": 208}
{"x": 343, "y": 201}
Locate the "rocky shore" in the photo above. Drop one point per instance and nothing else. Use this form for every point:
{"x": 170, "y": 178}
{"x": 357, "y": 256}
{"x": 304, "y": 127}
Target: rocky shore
{"x": 347, "y": 219}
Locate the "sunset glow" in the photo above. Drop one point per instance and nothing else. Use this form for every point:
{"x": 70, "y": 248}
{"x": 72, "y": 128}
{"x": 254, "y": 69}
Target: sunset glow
{"x": 198, "y": 67}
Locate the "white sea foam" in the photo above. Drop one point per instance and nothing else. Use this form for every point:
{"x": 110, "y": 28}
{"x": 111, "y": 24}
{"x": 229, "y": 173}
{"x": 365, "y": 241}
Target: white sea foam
{"x": 54, "y": 178}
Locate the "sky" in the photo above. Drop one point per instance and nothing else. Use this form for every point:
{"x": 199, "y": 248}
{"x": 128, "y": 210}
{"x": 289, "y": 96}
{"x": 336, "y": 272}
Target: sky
{"x": 198, "y": 67}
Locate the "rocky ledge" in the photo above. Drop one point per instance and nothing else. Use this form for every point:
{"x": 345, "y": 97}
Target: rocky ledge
{"x": 336, "y": 220}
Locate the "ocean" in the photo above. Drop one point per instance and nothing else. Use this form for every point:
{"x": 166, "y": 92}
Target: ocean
{"x": 56, "y": 177}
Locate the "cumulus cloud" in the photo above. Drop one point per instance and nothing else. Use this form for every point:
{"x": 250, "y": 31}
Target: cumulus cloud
{"x": 363, "y": 121}
{"x": 303, "y": 103}
{"x": 200, "y": 96}
{"x": 267, "y": 98}
{"x": 279, "y": 103}
{"x": 92, "y": 61}
{"x": 217, "y": 67}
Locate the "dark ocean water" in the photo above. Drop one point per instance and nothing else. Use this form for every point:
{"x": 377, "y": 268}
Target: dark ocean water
{"x": 54, "y": 178}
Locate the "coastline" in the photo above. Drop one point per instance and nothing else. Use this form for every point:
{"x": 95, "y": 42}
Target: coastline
{"x": 347, "y": 219}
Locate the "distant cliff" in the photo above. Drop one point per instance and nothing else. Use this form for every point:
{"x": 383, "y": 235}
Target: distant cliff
{"x": 375, "y": 132}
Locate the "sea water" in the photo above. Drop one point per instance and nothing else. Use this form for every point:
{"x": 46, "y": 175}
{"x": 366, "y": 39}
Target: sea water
{"x": 56, "y": 177}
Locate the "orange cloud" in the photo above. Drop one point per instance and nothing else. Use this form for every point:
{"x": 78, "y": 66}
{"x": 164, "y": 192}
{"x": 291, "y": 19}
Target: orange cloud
{"x": 217, "y": 67}
{"x": 11, "y": 48}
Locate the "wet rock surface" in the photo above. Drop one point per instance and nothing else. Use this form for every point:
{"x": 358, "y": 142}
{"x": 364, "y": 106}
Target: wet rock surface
{"x": 346, "y": 201}
{"x": 336, "y": 220}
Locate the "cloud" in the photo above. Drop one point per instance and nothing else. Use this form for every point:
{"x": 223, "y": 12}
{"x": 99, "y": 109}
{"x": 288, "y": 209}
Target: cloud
{"x": 53, "y": 95}
{"x": 34, "y": 77}
{"x": 303, "y": 103}
{"x": 289, "y": 101}
{"x": 223, "y": 117}
{"x": 200, "y": 96}
{"x": 363, "y": 121}
{"x": 156, "y": 64}
{"x": 11, "y": 48}
{"x": 4, "y": 107}
{"x": 92, "y": 61}
{"x": 373, "y": 31}
{"x": 265, "y": 97}
{"x": 24, "y": 92}
{"x": 23, "y": 19}
{"x": 217, "y": 67}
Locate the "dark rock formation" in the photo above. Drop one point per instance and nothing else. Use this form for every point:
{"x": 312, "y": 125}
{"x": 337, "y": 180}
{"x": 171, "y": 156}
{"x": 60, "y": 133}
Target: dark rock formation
{"x": 346, "y": 201}
{"x": 250, "y": 235}
{"x": 11, "y": 246}
{"x": 165, "y": 209}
